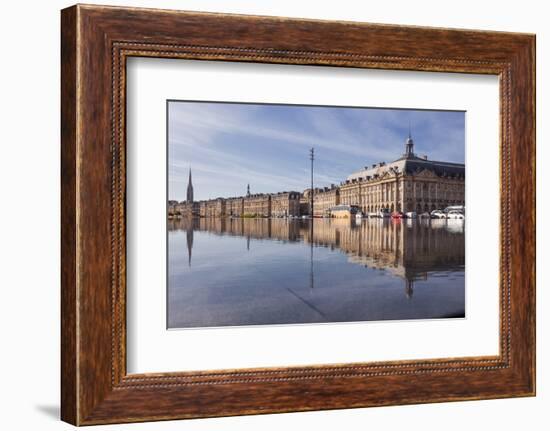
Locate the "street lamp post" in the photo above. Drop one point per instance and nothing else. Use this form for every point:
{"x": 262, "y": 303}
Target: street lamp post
{"x": 311, "y": 283}
{"x": 311, "y": 157}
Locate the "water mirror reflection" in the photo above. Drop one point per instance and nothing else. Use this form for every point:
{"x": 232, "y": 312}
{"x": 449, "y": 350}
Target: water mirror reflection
{"x": 257, "y": 271}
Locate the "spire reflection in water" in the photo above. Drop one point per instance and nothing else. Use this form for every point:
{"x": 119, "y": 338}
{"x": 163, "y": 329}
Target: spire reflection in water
{"x": 240, "y": 271}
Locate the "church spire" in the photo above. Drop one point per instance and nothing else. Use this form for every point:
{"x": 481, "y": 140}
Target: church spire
{"x": 190, "y": 189}
{"x": 248, "y": 190}
{"x": 409, "y": 144}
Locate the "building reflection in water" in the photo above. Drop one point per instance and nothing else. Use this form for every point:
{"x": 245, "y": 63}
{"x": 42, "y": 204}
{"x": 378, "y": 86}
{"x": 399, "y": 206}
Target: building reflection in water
{"x": 409, "y": 249}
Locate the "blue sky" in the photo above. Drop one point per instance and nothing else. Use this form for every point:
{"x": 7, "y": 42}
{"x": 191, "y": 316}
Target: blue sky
{"x": 229, "y": 145}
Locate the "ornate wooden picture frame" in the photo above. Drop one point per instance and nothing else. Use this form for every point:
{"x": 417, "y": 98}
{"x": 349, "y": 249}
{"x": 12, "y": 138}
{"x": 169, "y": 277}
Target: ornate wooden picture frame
{"x": 96, "y": 41}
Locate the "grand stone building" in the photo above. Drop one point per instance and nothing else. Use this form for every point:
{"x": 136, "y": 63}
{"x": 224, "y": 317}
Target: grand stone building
{"x": 257, "y": 205}
{"x": 410, "y": 183}
{"x": 284, "y": 204}
{"x": 324, "y": 199}
{"x": 234, "y": 207}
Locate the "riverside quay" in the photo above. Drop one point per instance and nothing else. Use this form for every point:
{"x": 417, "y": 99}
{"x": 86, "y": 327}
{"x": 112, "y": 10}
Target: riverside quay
{"x": 410, "y": 183}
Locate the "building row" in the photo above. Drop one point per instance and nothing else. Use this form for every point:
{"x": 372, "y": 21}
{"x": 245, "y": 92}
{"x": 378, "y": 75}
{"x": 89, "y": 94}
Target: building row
{"x": 282, "y": 204}
{"x": 409, "y": 183}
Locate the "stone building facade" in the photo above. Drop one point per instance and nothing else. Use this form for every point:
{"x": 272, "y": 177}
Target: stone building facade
{"x": 305, "y": 202}
{"x": 234, "y": 207}
{"x": 172, "y": 208}
{"x": 212, "y": 208}
{"x": 189, "y": 209}
{"x": 215, "y": 208}
{"x": 410, "y": 183}
{"x": 257, "y": 205}
{"x": 324, "y": 199}
{"x": 285, "y": 204}
{"x": 202, "y": 208}
{"x": 183, "y": 209}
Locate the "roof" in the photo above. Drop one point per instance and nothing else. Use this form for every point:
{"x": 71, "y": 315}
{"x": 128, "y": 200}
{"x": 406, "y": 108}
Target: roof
{"x": 409, "y": 165}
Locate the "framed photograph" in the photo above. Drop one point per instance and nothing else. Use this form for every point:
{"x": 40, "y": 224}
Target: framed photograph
{"x": 263, "y": 214}
{"x": 347, "y": 243}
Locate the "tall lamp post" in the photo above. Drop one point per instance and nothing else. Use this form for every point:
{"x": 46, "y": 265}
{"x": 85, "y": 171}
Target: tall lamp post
{"x": 311, "y": 282}
{"x": 311, "y": 157}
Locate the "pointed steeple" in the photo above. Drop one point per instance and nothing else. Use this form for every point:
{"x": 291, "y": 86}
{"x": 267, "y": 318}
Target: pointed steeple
{"x": 248, "y": 189}
{"x": 190, "y": 188}
{"x": 409, "y": 144}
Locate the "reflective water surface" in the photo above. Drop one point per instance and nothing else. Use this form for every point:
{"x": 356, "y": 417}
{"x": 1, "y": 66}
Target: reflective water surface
{"x": 229, "y": 272}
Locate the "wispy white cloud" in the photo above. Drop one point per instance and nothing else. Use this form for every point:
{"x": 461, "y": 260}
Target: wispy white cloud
{"x": 322, "y": 129}
{"x": 230, "y": 145}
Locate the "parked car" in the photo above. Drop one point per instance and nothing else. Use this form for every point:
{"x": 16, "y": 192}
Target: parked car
{"x": 455, "y": 215}
{"x": 397, "y": 214}
{"x": 384, "y": 212}
{"x": 411, "y": 214}
{"x": 437, "y": 214}
{"x": 459, "y": 208}
{"x": 424, "y": 215}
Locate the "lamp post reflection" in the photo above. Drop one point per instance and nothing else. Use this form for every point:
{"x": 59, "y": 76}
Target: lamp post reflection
{"x": 311, "y": 277}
